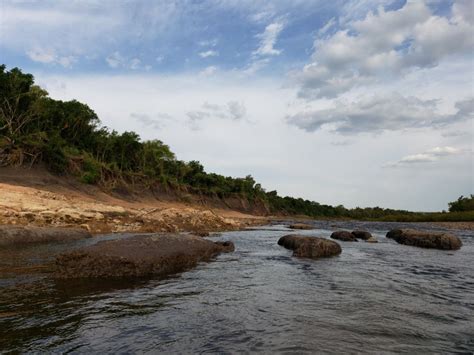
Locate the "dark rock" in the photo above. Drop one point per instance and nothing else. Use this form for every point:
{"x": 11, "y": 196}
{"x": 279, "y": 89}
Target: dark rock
{"x": 300, "y": 226}
{"x": 362, "y": 234}
{"x": 310, "y": 247}
{"x": 344, "y": 236}
{"x": 21, "y": 235}
{"x": 201, "y": 234}
{"x": 227, "y": 247}
{"x": 423, "y": 239}
{"x": 139, "y": 256}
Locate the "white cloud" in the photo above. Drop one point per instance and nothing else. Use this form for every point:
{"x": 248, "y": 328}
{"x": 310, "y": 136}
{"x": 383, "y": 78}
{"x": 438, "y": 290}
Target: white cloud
{"x": 135, "y": 63}
{"x": 156, "y": 121}
{"x": 209, "y": 53}
{"x": 255, "y": 66}
{"x": 268, "y": 40}
{"x": 50, "y": 57}
{"x": 429, "y": 156}
{"x": 208, "y": 43}
{"x": 208, "y": 71}
{"x": 330, "y": 24}
{"x": 232, "y": 110}
{"x": 384, "y": 44}
{"x": 392, "y": 112}
{"x": 116, "y": 60}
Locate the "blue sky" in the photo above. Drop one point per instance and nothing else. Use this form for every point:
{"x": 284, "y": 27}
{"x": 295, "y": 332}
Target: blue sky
{"x": 361, "y": 103}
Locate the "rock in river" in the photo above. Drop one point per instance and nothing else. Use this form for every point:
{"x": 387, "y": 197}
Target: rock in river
{"x": 301, "y": 226}
{"x": 310, "y": 247}
{"x": 423, "y": 239}
{"x": 138, "y": 256}
{"x": 344, "y": 236}
{"x": 364, "y": 235}
{"x": 21, "y": 235}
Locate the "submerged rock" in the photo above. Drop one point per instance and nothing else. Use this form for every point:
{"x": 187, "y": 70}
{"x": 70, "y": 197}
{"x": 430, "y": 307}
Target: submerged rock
{"x": 364, "y": 235}
{"x": 139, "y": 256}
{"x": 344, "y": 236}
{"x": 21, "y": 235}
{"x": 300, "y": 226}
{"x": 310, "y": 247}
{"x": 372, "y": 240}
{"x": 423, "y": 239}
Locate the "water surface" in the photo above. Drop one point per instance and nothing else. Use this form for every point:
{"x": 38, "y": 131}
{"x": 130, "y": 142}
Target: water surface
{"x": 373, "y": 298}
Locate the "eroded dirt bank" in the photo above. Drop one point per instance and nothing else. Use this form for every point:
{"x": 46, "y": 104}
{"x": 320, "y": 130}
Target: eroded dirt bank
{"x": 32, "y": 197}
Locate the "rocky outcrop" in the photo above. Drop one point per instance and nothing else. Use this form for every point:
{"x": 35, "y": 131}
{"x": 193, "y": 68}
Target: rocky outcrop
{"x": 139, "y": 256}
{"x": 21, "y": 235}
{"x": 300, "y": 226}
{"x": 310, "y": 247}
{"x": 360, "y": 234}
{"x": 443, "y": 241}
{"x": 344, "y": 236}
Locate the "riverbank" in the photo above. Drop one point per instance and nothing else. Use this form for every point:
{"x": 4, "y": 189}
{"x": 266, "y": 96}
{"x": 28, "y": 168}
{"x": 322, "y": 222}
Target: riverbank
{"x": 38, "y": 198}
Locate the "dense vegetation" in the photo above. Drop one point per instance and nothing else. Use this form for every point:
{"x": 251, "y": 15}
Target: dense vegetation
{"x": 462, "y": 204}
{"x": 67, "y": 137}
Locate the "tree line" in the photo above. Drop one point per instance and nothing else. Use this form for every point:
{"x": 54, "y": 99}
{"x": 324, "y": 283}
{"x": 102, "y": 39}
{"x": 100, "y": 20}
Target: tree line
{"x": 68, "y": 138}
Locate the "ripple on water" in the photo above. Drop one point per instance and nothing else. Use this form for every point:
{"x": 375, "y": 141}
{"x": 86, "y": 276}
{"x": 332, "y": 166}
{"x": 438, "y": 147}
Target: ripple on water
{"x": 376, "y": 298}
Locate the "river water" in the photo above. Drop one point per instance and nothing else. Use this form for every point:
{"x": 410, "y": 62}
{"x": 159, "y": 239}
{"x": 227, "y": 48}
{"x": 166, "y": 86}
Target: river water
{"x": 373, "y": 298}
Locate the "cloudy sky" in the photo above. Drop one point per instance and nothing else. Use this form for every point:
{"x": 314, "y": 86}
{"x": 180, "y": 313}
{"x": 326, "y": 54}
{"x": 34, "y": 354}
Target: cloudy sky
{"x": 360, "y": 103}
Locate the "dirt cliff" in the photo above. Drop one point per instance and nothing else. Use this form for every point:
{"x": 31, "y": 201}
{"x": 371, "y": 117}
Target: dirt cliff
{"x": 36, "y": 197}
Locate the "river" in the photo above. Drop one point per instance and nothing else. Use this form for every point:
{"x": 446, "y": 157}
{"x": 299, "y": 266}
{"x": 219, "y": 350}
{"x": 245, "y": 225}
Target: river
{"x": 373, "y": 298}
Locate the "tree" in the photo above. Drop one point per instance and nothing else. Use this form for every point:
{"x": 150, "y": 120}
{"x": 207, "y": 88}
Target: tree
{"x": 462, "y": 204}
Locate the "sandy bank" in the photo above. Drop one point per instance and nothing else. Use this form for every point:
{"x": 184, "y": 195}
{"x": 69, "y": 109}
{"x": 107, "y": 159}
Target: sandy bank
{"x": 40, "y": 199}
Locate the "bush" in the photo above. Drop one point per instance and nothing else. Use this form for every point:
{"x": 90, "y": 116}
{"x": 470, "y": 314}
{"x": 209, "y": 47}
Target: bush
{"x": 91, "y": 170}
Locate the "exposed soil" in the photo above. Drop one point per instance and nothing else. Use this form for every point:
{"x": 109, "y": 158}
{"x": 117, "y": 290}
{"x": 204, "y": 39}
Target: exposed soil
{"x": 36, "y": 197}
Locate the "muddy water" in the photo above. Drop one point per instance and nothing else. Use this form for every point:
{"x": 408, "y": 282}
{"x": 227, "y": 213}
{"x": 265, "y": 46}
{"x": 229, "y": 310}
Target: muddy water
{"x": 373, "y": 298}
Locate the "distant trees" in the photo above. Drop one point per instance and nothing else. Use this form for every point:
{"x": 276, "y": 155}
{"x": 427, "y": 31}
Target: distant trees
{"x": 462, "y": 204}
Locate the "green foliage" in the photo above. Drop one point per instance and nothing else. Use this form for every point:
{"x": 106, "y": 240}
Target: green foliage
{"x": 67, "y": 137}
{"x": 462, "y": 204}
{"x": 91, "y": 169}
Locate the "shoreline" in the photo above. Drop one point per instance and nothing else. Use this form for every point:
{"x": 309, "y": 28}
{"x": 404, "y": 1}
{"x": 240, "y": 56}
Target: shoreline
{"x": 38, "y": 198}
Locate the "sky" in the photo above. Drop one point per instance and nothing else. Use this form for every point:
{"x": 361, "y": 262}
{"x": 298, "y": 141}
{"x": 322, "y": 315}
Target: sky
{"x": 360, "y": 103}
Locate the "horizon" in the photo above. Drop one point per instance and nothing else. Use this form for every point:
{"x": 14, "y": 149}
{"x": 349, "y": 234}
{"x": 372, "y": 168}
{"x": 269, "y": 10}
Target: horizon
{"x": 375, "y": 117}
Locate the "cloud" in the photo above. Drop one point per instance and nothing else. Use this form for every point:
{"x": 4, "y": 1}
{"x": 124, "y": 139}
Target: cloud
{"x": 330, "y": 24}
{"x": 116, "y": 60}
{"x": 384, "y": 44}
{"x": 236, "y": 110}
{"x": 208, "y": 43}
{"x": 208, "y": 71}
{"x": 232, "y": 110}
{"x": 381, "y": 113}
{"x": 156, "y": 121}
{"x": 194, "y": 118}
{"x": 50, "y": 57}
{"x": 268, "y": 40}
{"x": 255, "y": 66}
{"x": 342, "y": 143}
{"x": 454, "y": 134}
{"x": 209, "y": 53}
{"x": 429, "y": 156}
